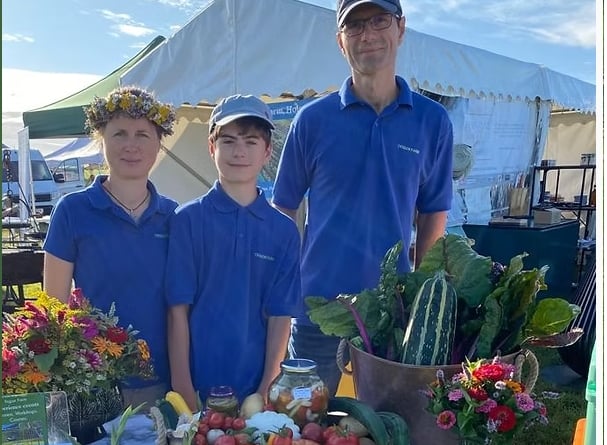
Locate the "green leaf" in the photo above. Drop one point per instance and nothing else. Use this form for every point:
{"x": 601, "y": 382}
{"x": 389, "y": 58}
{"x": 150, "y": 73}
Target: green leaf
{"x": 332, "y": 317}
{"x": 44, "y": 362}
{"x": 551, "y": 316}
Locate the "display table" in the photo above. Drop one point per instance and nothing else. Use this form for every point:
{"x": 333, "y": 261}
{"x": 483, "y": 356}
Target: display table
{"x": 139, "y": 431}
{"x": 554, "y": 245}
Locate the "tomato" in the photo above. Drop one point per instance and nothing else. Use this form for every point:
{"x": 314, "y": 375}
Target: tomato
{"x": 342, "y": 437}
{"x": 330, "y": 431}
{"x": 216, "y": 420}
{"x": 200, "y": 439}
{"x": 227, "y": 422}
{"x": 225, "y": 440}
{"x": 275, "y": 439}
{"x": 242, "y": 439}
{"x": 312, "y": 431}
{"x": 239, "y": 424}
{"x": 203, "y": 428}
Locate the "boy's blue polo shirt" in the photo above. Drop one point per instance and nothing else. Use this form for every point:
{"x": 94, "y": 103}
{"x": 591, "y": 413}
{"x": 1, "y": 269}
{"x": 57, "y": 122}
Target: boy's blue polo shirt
{"x": 236, "y": 266}
{"x": 118, "y": 260}
{"x": 365, "y": 175}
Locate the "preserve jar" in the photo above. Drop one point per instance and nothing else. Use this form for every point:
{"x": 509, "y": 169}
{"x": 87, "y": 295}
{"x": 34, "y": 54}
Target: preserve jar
{"x": 299, "y": 392}
{"x": 222, "y": 399}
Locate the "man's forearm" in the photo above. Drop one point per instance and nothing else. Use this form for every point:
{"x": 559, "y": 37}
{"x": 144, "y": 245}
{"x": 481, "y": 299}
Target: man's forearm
{"x": 430, "y": 227}
{"x": 279, "y": 329}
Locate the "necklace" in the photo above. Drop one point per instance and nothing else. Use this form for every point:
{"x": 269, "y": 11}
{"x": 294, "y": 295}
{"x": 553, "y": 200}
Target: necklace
{"x": 127, "y": 208}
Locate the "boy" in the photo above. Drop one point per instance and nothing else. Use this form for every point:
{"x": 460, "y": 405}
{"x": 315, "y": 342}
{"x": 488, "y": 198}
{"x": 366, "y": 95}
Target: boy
{"x": 233, "y": 266}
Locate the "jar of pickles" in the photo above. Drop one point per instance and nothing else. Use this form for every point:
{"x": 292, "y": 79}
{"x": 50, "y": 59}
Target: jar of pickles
{"x": 299, "y": 392}
{"x": 222, "y": 399}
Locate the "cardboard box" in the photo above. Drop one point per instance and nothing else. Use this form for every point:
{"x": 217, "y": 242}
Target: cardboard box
{"x": 547, "y": 216}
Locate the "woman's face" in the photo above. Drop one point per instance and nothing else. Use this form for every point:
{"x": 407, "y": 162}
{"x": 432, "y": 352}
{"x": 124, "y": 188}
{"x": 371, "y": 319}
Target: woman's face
{"x": 131, "y": 146}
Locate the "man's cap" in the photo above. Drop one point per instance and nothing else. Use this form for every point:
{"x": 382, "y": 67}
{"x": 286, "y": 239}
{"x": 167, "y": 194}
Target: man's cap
{"x": 238, "y": 106}
{"x": 345, "y": 7}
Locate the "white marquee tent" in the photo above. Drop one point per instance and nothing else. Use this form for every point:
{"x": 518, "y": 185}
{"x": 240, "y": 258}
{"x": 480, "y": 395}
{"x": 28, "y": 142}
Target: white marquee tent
{"x": 268, "y": 48}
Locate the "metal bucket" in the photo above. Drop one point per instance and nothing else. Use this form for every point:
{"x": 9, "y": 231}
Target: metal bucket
{"x": 392, "y": 386}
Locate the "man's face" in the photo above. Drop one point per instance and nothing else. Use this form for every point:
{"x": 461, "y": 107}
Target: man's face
{"x": 372, "y": 50}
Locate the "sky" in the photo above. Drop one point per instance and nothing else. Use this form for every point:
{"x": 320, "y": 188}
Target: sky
{"x": 51, "y": 49}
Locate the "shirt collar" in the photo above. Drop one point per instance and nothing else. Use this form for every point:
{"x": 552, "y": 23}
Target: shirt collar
{"x": 347, "y": 96}
{"x": 223, "y": 203}
{"x": 101, "y": 200}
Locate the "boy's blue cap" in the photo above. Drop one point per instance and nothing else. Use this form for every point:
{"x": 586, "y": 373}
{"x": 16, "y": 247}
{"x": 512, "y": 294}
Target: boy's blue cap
{"x": 238, "y": 106}
{"x": 345, "y": 7}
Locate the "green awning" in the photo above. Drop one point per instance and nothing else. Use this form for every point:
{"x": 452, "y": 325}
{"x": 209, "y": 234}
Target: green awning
{"x": 65, "y": 118}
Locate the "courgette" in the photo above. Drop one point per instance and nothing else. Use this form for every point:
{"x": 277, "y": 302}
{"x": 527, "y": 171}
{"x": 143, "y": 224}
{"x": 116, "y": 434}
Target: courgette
{"x": 430, "y": 331}
{"x": 396, "y": 426}
{"x": 364, "y": 414}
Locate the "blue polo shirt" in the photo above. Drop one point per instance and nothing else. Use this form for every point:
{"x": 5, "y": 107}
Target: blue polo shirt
{"x": 365, "y": 175}
{"x": 236, "y": 266}
{"x": 118, "y": 260}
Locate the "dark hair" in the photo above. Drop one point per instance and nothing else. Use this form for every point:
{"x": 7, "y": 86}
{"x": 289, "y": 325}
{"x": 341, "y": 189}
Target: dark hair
{"x": 245, "y": 124}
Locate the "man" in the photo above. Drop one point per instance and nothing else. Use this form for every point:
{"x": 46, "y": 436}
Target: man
{"x": 233, "y": 266}
{"x": 370, "y": 157}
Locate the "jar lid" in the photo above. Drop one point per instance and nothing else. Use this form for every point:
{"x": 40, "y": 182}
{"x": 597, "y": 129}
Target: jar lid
{"x": 221, "y": 391}
{"x": 298, "y": 365}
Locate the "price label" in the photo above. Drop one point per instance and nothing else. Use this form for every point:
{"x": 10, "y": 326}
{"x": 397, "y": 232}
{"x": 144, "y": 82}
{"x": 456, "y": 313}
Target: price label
{"x": 302, "y": 393}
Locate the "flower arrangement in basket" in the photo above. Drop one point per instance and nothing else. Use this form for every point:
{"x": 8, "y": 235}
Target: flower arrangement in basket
{"x": 74, "y": 347}
{"x": 485, "y": 404}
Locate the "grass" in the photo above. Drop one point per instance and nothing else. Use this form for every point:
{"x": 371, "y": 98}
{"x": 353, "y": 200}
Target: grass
{"x": 563, "y": 411}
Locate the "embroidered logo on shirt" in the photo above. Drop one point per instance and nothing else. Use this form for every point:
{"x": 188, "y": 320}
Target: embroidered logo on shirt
{"x": 263, "y": 257}
{"x": 161, "y": 235}
{"x": 411, "y": 149}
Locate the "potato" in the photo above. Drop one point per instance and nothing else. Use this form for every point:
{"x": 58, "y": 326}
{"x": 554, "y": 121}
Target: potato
{"x": 251, "y": 405}
{"x": 354, "y": 426}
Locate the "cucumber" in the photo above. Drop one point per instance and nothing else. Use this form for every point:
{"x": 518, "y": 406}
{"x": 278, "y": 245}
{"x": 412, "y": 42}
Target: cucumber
{"x": 396, "y": 426}
{"x": 168, "y": 413}
{"x": 364, "y": 414}
{"x": 430, "y": 331}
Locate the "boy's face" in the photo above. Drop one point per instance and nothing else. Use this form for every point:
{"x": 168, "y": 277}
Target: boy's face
{"x": 239, "y": 154}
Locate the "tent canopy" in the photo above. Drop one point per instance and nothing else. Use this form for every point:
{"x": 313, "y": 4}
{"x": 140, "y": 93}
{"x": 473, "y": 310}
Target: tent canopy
{"x": 88, "y": 151}
{"x": 268, "y": 47}
{"x": 65, "y": 118}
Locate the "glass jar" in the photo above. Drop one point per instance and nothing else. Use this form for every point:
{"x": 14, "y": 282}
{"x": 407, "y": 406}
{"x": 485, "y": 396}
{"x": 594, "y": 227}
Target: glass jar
{"x": 222, "y": 399}
{"x": 299, "y": 392}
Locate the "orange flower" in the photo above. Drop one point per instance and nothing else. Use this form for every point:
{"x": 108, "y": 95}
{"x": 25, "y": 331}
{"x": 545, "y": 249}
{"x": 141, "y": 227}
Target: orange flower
{"x": 33, "y": 375}
{"x": 103, "y": 346}
{"x": 516, "y": 387}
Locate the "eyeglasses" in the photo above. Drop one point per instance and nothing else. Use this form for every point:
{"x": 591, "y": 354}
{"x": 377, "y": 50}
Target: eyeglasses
{"x": 377, "y": 23}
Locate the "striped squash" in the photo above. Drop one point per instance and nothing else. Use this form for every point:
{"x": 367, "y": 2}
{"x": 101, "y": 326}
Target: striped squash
{"x": 430, "y": 331}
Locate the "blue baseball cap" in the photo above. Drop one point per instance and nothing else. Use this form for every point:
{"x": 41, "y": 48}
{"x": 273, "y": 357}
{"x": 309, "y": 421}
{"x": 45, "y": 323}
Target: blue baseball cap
{"x": 238, "y": 106}
{"x": 345, "y": 7}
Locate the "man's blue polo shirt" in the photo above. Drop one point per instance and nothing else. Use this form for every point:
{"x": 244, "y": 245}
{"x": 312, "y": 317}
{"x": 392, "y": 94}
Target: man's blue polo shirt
{"x": 365, "y": 175}
{"x": 118, "y": 260}
{"x": 236, "y": 266}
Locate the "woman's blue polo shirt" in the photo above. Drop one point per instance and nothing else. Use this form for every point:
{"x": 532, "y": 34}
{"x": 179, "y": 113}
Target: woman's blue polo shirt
{"x": 118, "y": 260}
{"x": 235, "y": 266}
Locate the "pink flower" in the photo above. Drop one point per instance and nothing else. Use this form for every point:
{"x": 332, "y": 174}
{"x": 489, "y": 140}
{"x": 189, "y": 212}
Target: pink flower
{"x": 76, "y": 300}
{"x": 88, "y": 326}
{"x": 524, "y": 402}
{"x": 445, "y": 420}
{"x": 486, "y": 406}
{"x": 92, "y": 358}
{"x": 10, "y": 364}
{"x": 455, "y": 395}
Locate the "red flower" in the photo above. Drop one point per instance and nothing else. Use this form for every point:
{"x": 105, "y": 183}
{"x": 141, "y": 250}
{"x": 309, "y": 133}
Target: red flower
{"x": 39, "y": 345}
{"x": 503, "y": 417}
{"x": 10, "y": 364}
{"x": 478, "y": 394}
{"x": 489, "y": 371}
{"x": 117, "y": 335}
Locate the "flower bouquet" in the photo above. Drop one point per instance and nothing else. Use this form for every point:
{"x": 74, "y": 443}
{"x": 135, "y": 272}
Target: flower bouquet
{"x": 73, "y": 347}
{"x": 484, "y": 404}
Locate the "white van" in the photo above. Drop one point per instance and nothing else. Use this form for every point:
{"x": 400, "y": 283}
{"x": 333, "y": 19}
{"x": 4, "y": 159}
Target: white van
{"x": 46, "y": 190}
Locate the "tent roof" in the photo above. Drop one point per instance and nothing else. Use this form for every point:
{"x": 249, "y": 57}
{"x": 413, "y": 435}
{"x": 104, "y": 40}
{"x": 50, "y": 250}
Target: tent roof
{"x": 87, "y": 150}
{"x": 269, "y": 47}
{"x": 65, "y": 118}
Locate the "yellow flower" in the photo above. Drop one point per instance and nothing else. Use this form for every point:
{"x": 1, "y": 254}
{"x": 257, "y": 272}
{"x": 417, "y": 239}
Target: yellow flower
{"x": 144, "y": 349}
{"x": 111, "y": 106}
{"x": 125, "y": 101}
{"x": 104, "y": 346}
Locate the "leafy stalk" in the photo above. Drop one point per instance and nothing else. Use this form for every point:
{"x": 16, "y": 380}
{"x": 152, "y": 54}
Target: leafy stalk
{"x": 117, "y": 432}
{"x": 359, "y": 323}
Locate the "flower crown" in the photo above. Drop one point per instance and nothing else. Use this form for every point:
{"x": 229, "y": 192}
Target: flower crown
{"x": 133, "y": 101}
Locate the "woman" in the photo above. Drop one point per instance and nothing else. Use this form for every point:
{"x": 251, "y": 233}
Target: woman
{"x": 111, "y": 238}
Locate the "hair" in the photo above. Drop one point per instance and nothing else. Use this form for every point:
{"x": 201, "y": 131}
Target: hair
{"x": 245, "y": 124}
{"x": 133, "y": 102}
